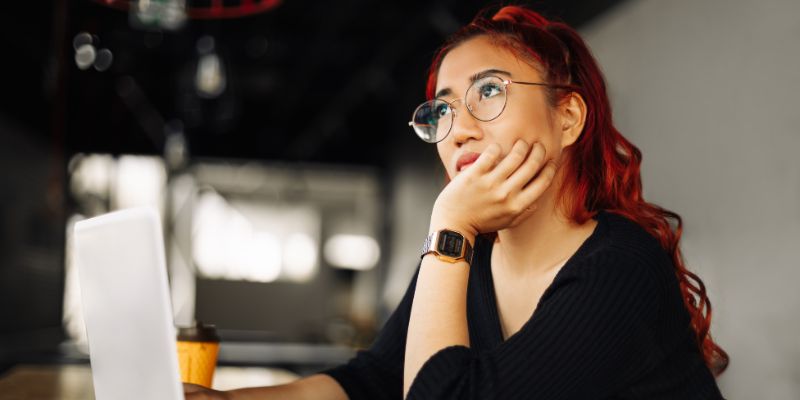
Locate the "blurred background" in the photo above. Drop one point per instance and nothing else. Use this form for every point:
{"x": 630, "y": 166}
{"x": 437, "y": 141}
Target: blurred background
{"x": 272, "y": 136}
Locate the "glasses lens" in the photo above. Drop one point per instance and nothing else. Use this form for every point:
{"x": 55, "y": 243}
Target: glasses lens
{"x": 486, "y": 98}
{"x": 432, "y": 120}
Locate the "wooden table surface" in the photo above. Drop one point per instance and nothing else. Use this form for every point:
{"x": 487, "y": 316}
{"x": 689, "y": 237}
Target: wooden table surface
{"x": 74, "y": 381}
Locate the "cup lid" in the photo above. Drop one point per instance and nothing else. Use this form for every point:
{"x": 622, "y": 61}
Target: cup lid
{"x": 199, "y": 332}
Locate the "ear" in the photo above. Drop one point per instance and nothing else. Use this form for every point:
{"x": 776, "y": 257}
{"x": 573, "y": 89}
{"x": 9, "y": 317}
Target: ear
{"x": 572, "y": 117}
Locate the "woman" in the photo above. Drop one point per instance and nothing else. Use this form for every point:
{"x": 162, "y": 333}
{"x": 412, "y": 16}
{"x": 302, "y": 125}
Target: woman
{"x": 576, "y": 288}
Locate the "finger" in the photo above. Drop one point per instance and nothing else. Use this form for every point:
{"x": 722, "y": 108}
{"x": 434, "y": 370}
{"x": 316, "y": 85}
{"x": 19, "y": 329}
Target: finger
{"x": 523, "y": 175}
{"x": 536, "y": 187}
{"x": 488, "y": 158}
{"x": 512, "y": 161}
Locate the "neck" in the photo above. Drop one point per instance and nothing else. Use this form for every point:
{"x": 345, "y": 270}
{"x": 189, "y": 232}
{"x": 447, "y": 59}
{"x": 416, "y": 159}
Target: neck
{"x": 543, "y": 241}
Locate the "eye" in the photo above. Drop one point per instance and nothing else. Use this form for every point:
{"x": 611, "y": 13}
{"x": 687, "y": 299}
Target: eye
{"x": 441, "y": 110}
{"x": 488, "y": 90}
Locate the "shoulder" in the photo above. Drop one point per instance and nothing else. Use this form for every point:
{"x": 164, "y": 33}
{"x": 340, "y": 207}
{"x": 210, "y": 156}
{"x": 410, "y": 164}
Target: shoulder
{"x": 620, "y": 249}
{"x": 623, "y": 235}
{"x": 627, "y": 259}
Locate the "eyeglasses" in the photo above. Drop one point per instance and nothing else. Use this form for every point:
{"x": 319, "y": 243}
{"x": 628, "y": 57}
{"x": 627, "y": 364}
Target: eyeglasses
{"x": 485, "y": 100}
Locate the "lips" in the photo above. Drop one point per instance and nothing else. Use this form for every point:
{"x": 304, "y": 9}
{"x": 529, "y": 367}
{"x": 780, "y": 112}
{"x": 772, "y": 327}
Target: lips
{"x": 466, "y": 159}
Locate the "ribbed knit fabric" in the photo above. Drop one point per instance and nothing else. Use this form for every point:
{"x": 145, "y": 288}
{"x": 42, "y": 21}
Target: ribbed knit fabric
{"x": 612, "y": 325}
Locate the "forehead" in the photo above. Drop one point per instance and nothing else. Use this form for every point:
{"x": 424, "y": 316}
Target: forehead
{"x": 479, "y": 54}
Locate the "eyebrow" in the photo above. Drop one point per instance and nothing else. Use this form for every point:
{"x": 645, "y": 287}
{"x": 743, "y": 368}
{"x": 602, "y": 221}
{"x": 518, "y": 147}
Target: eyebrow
{"x": 473, "y": 78}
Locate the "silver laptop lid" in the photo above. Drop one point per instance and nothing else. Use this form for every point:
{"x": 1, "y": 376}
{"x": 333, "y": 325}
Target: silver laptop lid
{"x": 123, "y": 280}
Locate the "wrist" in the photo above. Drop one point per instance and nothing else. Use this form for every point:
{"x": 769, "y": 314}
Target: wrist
{"x": 448, "y": 245}
{"x": 465, "y": 230}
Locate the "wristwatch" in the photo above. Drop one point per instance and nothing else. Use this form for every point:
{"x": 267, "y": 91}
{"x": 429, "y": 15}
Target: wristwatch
{"x": 447, "y": 245}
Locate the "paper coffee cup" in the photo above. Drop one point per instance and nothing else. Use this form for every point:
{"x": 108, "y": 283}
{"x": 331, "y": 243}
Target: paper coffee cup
{"x": 198, "y": 346}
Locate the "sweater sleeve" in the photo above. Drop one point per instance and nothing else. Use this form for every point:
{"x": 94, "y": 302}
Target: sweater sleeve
{"x": 377, "y": 372}
{"x": 590, "y": 335}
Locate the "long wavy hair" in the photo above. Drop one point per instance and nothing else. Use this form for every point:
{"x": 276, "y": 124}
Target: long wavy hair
{"x": 602, "y": 166}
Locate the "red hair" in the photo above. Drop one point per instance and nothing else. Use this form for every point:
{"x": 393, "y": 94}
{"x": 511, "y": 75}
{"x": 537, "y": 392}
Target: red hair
{"x": 602, "y": 167}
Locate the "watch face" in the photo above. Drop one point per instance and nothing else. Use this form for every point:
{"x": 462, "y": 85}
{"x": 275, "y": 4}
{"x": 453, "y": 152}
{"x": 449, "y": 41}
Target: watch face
{"x": 450, "y": 243}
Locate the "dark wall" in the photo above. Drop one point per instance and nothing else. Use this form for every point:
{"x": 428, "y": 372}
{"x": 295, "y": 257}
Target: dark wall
{"x": 31, "y": 246}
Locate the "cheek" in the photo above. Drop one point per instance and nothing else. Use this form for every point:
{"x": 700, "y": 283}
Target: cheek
{"x": 506, "y": 132}
{"x": 532, "y": 126}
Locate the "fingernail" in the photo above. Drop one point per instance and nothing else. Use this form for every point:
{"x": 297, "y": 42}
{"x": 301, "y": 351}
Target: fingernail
{"x": 538, "y": 151}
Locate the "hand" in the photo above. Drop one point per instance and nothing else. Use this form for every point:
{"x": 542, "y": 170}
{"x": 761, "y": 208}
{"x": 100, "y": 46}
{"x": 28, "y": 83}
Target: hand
{"x": 493, "y": 193}
{"x": 197, "y": 392}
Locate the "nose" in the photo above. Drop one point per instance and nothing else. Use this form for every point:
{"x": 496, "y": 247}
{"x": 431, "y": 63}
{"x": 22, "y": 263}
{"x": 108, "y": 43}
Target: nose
{"x": 465, "y": 126}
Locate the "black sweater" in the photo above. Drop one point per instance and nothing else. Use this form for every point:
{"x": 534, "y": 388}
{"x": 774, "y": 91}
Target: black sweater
{"x": 612, "y": 325}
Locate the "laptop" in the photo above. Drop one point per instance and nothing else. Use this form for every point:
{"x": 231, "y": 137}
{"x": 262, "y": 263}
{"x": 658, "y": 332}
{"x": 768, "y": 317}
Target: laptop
{"x": 126, "y": 305}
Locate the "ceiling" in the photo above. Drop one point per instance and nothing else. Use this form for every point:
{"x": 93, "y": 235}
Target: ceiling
{"x": 312, "y": 81}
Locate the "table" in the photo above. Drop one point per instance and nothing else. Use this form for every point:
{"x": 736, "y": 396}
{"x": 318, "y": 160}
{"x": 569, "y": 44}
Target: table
{"x": 74, "y": 381}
